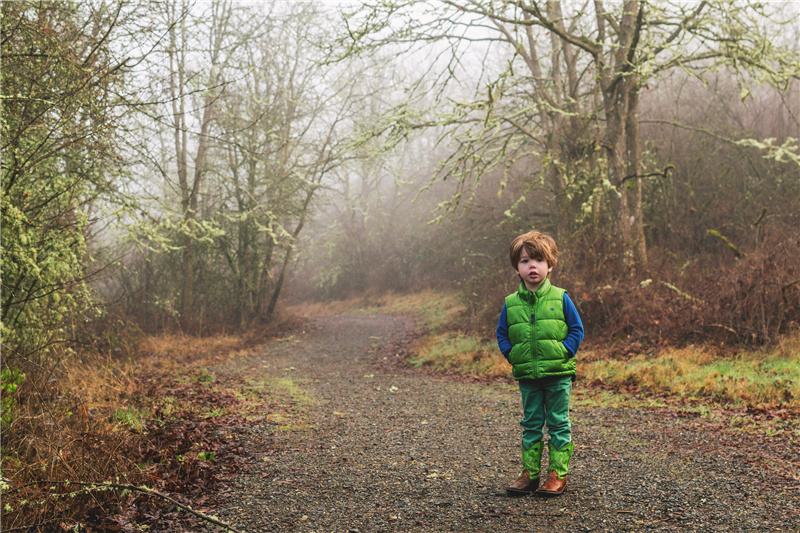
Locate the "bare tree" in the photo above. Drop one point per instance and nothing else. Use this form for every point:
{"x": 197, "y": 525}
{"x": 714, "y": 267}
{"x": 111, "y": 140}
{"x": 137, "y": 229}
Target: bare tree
{"x": 284, "y": 129}
{"x": 212, "y": 63}
{"x": 561, "y": 83}
{"x": 184, "y": 78}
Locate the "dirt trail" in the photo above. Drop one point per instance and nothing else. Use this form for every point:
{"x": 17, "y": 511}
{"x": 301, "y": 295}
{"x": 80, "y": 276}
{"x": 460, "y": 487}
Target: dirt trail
{"x": 401, "y": 451}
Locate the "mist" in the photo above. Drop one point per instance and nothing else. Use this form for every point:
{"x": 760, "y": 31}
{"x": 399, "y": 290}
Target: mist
{"x": 246, "y": 154}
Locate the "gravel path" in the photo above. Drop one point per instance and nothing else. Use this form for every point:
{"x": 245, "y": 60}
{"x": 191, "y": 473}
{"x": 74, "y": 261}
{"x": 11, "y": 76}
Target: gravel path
{"x": 393, "y": 450}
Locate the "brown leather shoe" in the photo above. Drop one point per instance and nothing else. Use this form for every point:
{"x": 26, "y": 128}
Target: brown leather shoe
{"x": 553, "y": 486}
{"x": 523, "y": 485}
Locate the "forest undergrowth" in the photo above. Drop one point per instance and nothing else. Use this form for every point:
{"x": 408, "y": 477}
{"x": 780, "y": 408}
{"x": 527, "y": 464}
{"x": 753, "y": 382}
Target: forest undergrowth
{"x": 142, "y": 433}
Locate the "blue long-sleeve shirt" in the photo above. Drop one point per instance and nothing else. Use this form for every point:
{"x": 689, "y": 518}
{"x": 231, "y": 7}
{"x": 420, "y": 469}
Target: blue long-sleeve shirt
{"x": 571, "y": 317}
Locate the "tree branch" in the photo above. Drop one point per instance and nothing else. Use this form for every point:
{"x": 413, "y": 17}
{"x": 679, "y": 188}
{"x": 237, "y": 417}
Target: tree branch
{"x": 144, "y": 490}
{"x": 662, "y": 174}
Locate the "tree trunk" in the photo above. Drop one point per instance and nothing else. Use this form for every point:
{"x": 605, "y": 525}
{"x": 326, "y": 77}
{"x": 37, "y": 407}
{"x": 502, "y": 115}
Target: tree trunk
{"x": 177, "y": 57}
{"x": 633, "y": 188}
{"x": 563, "y": 222}
{"x": 618, "y": 84}
{"x": 273, "y": 302}
{"x": 614, "y": 142}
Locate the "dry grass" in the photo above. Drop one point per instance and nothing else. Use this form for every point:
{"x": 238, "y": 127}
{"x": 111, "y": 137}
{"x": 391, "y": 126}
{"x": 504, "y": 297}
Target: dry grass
{"x": 337, "y": 307}
{"x": 766, "y": 377}
{"x": 170, "y": 349}
{"x": 435, "y": 309}
{"x": 75, "y": 420}
{"x": 464, "y": 354}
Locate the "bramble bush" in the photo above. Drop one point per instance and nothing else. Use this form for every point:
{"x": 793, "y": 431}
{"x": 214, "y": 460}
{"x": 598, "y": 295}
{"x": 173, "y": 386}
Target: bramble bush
{"x": 717, "y": 299}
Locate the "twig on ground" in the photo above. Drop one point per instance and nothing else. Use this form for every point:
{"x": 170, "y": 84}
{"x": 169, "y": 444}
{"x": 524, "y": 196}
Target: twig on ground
{"x": 144, "y": 490}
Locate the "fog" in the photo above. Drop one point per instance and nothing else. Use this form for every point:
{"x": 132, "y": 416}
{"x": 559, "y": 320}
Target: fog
{"x": 227, "y": 158}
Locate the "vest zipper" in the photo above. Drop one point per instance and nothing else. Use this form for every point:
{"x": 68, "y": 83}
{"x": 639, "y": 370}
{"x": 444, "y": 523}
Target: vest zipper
{"x": 534, "y": 357}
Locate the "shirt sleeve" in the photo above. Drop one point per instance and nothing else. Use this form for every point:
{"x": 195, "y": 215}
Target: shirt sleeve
{"x": 574, "y": 326}
{"x": 502, "y": 333}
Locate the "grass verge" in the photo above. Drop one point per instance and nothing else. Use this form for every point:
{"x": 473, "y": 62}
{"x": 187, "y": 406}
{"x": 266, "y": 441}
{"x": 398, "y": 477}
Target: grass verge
{"x": 461, "y": 353}
{"x": 770, "y": 377}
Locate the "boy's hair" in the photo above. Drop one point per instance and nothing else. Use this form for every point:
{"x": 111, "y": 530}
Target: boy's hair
{"x": 540, "y": 246}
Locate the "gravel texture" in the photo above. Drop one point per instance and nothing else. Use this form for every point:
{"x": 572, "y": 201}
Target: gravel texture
{"x": 382, "y": 448}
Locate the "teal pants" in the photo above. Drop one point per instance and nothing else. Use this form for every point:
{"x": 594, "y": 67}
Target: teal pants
{"x": 546, "y": 400}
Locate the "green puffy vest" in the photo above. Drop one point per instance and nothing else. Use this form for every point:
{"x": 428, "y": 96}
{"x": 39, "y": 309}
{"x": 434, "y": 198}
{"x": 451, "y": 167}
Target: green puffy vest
{"x": 537, "y": 329}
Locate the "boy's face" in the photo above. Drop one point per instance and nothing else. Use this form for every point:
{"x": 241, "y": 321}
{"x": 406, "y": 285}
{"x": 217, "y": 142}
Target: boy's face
{"x": 532, "y": 271}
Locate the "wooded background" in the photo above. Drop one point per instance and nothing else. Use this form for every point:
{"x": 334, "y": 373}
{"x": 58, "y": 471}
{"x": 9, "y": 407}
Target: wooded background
{"x": 190, "y": 165}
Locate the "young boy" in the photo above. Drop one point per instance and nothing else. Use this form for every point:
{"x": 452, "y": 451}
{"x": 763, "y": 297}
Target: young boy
{"x": 539, "y": 332}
